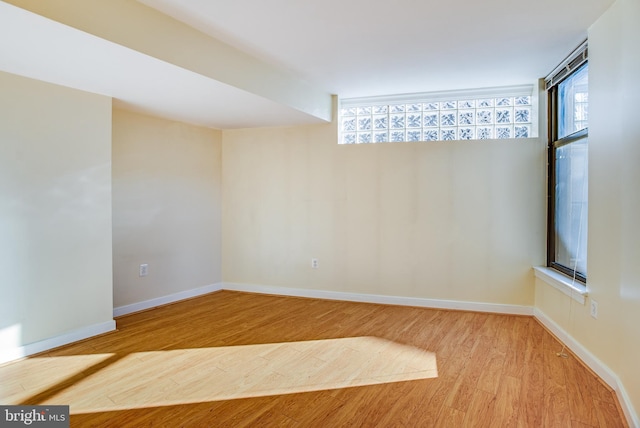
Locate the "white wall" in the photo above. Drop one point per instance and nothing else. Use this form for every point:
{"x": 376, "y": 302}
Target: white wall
{"x": 441, "y": 220}
{"x": 614, "y": 203}
{"x": 166, "y": 207}
{"x": 55, "y": 211}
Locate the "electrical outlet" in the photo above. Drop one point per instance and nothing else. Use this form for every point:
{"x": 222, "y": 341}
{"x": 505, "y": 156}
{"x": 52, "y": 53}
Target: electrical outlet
{"x": 314, "y": 263}
{"x": 144, "y": 269}
{"x": 594, "y": 309}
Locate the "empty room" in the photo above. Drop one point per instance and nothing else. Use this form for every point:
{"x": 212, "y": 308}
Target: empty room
{"x": 319, "y": 213}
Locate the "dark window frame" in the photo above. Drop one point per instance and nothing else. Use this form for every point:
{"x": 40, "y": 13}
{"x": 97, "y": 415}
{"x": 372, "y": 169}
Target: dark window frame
{"x": 555, "y": 143}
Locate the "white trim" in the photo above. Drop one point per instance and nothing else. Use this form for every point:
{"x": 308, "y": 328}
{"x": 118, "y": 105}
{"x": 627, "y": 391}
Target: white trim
{"x": 163, "y": 300}
{"x": 494, "y": 92}
{"x": 386, "y": 300}
{"x": 605, "y": 373}
{"x": 576, "y": 290}
{"x": 54, "y": 342}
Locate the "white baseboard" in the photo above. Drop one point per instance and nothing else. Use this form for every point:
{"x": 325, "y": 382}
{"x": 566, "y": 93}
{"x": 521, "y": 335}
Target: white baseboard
{"x": 171, "y": 298}
{"x": 381, "y": 299}
{"x": 54, "y": 342}
{"x": 605, "y": 373}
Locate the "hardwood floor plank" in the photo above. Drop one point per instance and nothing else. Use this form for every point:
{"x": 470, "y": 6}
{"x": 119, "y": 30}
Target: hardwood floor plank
{"x": 481, "y": 410}
{"x": 556, "y": 400}
{"x": 465, "y": 386}
{"x": 492, "y": 372}
{"x": 450, "y": 417}
{"x": 532, "y": 388}
{"x": 515, "y": 355}
{"x": 579, "y": 391}
{"x": 608, "y": 415}
{"x": 507, "y": 404}
{"x": 577, "y": 424}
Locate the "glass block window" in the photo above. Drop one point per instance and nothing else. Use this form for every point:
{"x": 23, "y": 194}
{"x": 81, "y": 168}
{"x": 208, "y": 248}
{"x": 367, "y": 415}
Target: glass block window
{"x": 420, "y": 118}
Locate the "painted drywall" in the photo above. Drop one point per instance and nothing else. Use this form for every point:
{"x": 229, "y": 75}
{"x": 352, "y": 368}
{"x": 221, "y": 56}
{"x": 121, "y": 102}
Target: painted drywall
{"x": 441, "y": 220}
{"x": 55, "y": 211}
{"x": 166, "y": 207}
{"x": 148, "y": 31}
{"x": 614, "y": 203}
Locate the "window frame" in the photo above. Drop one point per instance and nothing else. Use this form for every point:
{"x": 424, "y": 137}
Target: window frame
{"x": 555, "y": 143}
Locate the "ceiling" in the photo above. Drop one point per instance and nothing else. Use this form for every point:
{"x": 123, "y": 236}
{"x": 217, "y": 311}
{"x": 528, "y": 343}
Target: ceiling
{"x": 349, "y": 48}
{"x": 43, "y": 49}
{"x": 360, "y": 48}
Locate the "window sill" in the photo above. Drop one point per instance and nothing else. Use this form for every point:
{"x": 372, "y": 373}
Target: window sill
{"x": 574, "y": 289}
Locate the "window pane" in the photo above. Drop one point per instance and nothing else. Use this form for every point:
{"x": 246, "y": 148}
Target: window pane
{"x": 571, "y": 206}
{"x": 573, "y": 101}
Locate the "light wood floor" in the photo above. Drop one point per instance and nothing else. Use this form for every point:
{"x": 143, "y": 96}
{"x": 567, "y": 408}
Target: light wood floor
{"x": 235, "y": 359}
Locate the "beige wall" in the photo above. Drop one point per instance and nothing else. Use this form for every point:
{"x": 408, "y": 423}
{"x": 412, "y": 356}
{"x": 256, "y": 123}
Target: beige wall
{"x": 166, "y": 207}
{"x": 55, "y": 211}
{"x": 443, "y": 220}
{"x": 614, "y": 202}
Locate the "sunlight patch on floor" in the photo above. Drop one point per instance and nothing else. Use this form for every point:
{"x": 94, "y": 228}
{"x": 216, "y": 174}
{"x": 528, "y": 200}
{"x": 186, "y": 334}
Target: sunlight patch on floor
{"x": 23, "y": 379}
{"x": 160, "y": 378}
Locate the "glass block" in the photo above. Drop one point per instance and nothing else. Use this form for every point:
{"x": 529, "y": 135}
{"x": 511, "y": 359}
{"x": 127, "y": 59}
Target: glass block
{"x": 430, "y": 119}
{"x": 364, "y": 123}
{"x": 484, "y": 117}
{"x": 348, "y": 124}
{"x": 466, "y": 133}
{"x": 364, "y": 137}
{"x": 503, "y": 131}
{"x": 448, "y": 104}
{"x": 430, "y": 106}
{"x": 397, "y": 121}
{"x": 465, "y": 117}
{"x": 397, "y": 108}
{"x": 448, "y": 134}
{"x": 414, "y": 120}
{"x": 349, "y": 138}
{"x": 484, "y": 133}
{"x": 380, "y": 109}
{"x": 467, "y": 104}
{"x": 503, "y": 115}
{"x": 397, "y": 136}
{"x": 413, "y": 135}
{"x": 522, "y": 131}
{"x": 364, "y": 110}
{"x": 380, "y": 122}
{"x": 413, "y": 107}
{"x": 523, "y": 101}
{"x": 448, "y": 119}
{"x": 380, "y": 137}
{"x": 349, "y": 111}
{"x": 522, "y": 115}
{"x": 485, "y": 103}
{"x": 430, "y": 135}
{"x": 502, "y": 102}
